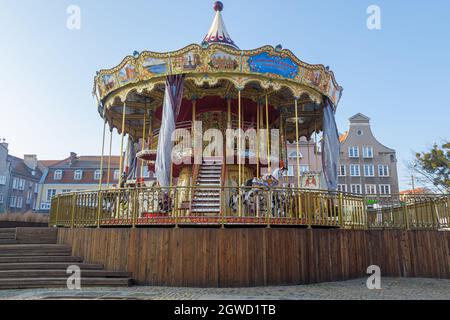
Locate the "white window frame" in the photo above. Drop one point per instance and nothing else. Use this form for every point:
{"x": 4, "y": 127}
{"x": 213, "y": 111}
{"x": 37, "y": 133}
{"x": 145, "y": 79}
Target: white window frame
{"x": 369, "y": 173}
{"x": 21, "y": 184}
{"x": 19, "y": 203}
{"x": 366, "y": 154}
{"x": 368, "y": 188}
{"x": 353, "y": 173}
{"x": 293, "y": 154}
{"x": 342, "y": 187}
{"x": 15, "y": 183}
{"x": 1, "y": 198}
{"x": 289, "y": 172}
{"x": 97, "y": 174}
{"x": 57, "y": 175}
{"x": 383, "y": 188}
{"x": 357, "y": 187}
{"x": 353, "y": 152}
{"x": 381, "y": 171}
{"x": 2, "y": 180}
{"x": 36, "y": 187}
{"x": 12, "y": 202}
{"x": 50, "y": 194}
{"x": 304, "y": 168}
{"x": 342, "y": 173}
{"x": 78, "y": 174}
{"x": 116, "y": 174}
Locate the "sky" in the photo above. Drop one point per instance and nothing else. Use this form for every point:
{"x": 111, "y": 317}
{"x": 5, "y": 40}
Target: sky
{"x": 397, "y": 75}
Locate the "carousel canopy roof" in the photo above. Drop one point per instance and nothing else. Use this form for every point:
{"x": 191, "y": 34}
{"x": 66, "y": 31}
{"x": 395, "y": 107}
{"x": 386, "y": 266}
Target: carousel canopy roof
{"x": 215, "y": 68}
{"x": 218, "y": 32}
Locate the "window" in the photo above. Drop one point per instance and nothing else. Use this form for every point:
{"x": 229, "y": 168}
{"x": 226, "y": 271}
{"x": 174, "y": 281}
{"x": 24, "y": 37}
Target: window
{"x": 354, "y": 170}
{"x": 290, "y": 171}
{"x": 78, "y": 174}
{"x": 359, "y": 132}
{"x": 341, "y": 170}
{"x": 50, "y": 194}
{"x": 65, "y": 190}
{"x": 304, "y": 168}
{"x": 2, "y": 180}
{"x": 12, "y": 202}
{"x": 383, "y": 170}
{"x": 58, "y": 175}
{"x": 367, "y": 152}
{"x": 342, "y": 187}
{"x": 353, "y": 152}
{"x": 97, "y": 174}
{"x": 36, "y": 188}
{"x": 385, "y": 189}
{"x": 147, "y": 172}
{"x": 45, "y": 206}
{"x": 369, "y": 170}
{"x": 15, "y": 184}
{"x": 371, "y": 189}
{"x": 21, "y": 184}
{"x": 116, "y": 174}
{"x": 19, "y": 202}
{"x": 293, "y": 154}
{"x": 1, "y": 197}
{"x": 29, "y": 195}
{"x": 355, "y": 188}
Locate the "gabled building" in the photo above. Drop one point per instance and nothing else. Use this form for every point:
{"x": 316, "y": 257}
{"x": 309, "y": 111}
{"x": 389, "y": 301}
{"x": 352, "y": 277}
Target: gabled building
{"x": 19, "y": 181}
{"x": 75, "y": 173}
{"x": 366, "y": 166}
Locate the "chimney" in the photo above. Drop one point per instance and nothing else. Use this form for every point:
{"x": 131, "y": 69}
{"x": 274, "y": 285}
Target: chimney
{"x": 30, "y": 161}
{"x": 4, "y": 144}
{"x": 73, "y": 158}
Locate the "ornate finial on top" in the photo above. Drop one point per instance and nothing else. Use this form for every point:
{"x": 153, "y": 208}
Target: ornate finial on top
{"x": 218, "y": 33}
{"x": 218, "y": 6}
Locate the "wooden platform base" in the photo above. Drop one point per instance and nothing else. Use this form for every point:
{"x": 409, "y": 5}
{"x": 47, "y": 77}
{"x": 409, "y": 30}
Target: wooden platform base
{"x": 234, "y": 257}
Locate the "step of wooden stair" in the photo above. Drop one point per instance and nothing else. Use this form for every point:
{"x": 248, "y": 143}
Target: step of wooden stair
{"x": 8, "y": 230}
{"x": 7, "y": 235}
{"x": 41, "y": 259}
{"x": 8, "y": 241}
{"x": 48, "y": 265}
{"x": 204, "y": 210}
{"x": 58, "y": 273}
{"x": 22, "y": 283}
{"x": 34, "y": 250}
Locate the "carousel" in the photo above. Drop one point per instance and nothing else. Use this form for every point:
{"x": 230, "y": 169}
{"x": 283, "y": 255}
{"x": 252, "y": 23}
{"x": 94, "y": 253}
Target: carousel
{"x": 204, "y": 133}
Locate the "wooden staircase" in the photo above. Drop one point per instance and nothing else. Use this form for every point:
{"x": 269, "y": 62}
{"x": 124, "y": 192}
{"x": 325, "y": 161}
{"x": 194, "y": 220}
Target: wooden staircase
{"x": 206, "y": 198}
{"x": 44, "y": 265}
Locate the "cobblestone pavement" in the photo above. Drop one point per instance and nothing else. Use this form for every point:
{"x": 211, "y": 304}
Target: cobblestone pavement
{"x": 391, "y": 288}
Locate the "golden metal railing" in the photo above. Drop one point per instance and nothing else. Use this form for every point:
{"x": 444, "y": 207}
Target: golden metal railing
{"x": 259, "y": 206}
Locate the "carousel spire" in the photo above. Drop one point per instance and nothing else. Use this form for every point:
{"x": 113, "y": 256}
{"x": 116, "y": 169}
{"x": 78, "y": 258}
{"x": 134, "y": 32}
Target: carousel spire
{"x": 217, "y": 32}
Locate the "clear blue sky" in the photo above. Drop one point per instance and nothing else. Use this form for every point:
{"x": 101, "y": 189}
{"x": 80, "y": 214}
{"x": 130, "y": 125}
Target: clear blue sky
{"x": 398, "y": 76}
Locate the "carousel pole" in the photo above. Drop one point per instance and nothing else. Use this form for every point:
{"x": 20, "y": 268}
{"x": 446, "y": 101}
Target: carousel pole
{"x": 257, "y": 139}
{"x": 239, "y": 154}
{"x": 109, "y": 157}
{"x": 315, "y": 145}
{"x": 267, "y": 136}
{"x": 194, "y": 115}
{"x": 101, "y": 157}
{"x": 121, "y": 144}
{"x": 143, "y": 143}
{"x": 298, "y": 154}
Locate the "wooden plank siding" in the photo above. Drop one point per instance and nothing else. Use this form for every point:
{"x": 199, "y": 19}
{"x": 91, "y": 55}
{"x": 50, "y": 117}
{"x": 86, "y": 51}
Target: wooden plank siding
{"x": 235, "y": 257}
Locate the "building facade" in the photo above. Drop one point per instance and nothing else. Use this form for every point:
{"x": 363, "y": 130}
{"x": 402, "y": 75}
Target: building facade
{"x": 365, "y": 165}
{"x": 75, "y": 173}
{"x": 19, "y": 182}
{"x": 4, "y": 176}
{"x": 310, "y": 161}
